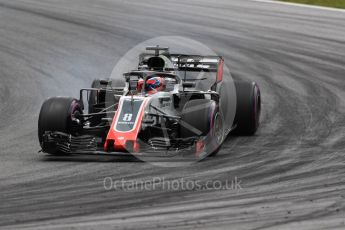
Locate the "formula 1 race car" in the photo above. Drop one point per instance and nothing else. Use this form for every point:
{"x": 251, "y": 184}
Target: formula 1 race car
{"x": 172, "y": 103}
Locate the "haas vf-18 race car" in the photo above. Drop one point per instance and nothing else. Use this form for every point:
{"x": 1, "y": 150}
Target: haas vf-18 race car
{"x": 172, "y": 103}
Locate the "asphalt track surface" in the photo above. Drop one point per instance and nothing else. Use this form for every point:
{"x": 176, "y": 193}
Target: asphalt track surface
{"x": 291, "y": 172}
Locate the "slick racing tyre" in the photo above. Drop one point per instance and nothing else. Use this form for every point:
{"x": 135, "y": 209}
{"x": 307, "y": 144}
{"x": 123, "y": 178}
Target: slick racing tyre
{"x": 100, "y": 100}
{"x": 203, "y": 118}
{"x": 95, "y": 96}
{"x": 58, "y": 114}
{"x": 248, "y": 110}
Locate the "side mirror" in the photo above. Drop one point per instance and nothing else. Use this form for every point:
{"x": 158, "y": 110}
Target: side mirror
{"x": 105, "y": 82}
{"x": 133, "y": 85}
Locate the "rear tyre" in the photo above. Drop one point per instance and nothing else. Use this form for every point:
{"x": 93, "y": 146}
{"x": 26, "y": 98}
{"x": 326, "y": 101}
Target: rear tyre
{"x": 94, "y": 96}
{"x": 203, "y": 118}
{"x": 248, "y": 108}
{"x": 100, "y": 99}
{"x": 58, "y": 114}
{"x": 96, "y": 102}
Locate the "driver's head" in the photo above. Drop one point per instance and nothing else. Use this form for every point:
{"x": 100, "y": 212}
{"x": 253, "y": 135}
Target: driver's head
{"x": 155, "y": 84}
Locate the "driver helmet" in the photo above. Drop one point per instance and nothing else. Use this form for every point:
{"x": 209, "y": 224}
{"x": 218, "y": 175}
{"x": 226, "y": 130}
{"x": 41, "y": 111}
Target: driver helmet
{"x": 155, "y": 84}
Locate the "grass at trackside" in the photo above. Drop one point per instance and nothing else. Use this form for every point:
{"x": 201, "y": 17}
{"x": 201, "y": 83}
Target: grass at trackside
{"x": 329, "y": 3}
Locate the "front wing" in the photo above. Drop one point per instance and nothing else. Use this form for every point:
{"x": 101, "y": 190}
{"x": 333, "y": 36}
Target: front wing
{"x": 91, "y": 145}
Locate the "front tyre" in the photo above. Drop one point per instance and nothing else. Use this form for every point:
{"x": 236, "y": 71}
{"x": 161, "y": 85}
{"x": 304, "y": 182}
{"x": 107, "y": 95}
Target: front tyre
{"x": 58, "y": 114}
{"x": 203, "y": 118}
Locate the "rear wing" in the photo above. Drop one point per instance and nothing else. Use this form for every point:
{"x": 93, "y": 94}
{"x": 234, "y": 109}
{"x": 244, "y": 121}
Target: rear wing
{"x": 184, "y": 62}
{"x": 196, "y": 63}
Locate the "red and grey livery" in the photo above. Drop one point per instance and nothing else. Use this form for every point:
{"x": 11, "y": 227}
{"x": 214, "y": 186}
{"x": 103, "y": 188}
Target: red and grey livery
{"x": 126, "y": 125}
{"x": 171, "y": 102}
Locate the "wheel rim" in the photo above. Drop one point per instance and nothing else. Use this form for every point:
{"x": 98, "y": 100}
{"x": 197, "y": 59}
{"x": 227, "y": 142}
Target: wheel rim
{"x": 75, "y": 112}
{"x": 218, "y": 128}
{"x": 257, "y": 108}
